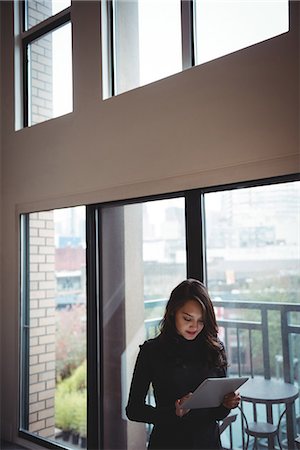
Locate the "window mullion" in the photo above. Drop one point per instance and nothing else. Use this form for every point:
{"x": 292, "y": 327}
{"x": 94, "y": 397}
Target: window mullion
{"x": 24, "y": 320}
{"x": 94, "y": 340}
{"x": 187, "y": 33}
{"x": 46, "y": 26}
{"x": 26, "y": 94}
{"x": 195, "y": 235}
{"x": 107, "y": 38}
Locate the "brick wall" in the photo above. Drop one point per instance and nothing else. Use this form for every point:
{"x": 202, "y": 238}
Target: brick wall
{"x": 40, "y": 72}
{"x": 42, "y": 325}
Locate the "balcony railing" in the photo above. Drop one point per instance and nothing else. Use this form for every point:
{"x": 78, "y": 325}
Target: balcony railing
{"x": 261, "y": 339}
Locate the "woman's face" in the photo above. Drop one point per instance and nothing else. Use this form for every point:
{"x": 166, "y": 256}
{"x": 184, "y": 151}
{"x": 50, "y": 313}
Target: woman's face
{"x": 189, "y": 320}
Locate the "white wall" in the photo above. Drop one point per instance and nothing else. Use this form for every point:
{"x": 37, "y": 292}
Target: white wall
{"x": 233, "y": 119}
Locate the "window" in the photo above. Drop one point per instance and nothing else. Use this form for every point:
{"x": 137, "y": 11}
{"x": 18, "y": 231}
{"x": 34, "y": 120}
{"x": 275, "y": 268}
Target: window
{"x": 252, "y": 253}
{"x": 144, "y": 41}
{"x": 225, "y": 26}
{"x": 46, "y": 42}
{"x": 253, "y": 242}
{"x": 143, "y": 258}
{"x": 141, "y": 55}
{"x": 141, "y": 43}
{"x": 95, "y": 281}
{"x": 54, "y": 399}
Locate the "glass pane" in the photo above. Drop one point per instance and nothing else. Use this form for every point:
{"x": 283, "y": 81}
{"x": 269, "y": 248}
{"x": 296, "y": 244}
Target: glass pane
{"x": 147, "y": 42}
{"x": 252, "y": 252}
{"x": 143, "y": 259}
{"x": 225, "y": 26}
{"x": 160, "y": 51}
{"x": 50, "y": 76}
{"x": 253, "y": 242}
{"x": 55, "y": 396}
{"x": 39, "y": 10}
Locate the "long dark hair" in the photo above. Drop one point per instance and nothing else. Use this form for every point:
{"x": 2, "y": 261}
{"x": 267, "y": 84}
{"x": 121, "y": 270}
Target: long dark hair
{"x": 192, "y": 289}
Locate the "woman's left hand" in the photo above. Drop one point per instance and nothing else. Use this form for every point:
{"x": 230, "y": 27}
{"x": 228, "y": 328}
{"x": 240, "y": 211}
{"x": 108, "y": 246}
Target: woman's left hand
{"x": 231, "y": 400}
{"x": 179, "y": 410}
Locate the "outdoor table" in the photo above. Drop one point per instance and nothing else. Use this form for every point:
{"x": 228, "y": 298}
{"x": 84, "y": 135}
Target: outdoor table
{"x": 270, "y": 392}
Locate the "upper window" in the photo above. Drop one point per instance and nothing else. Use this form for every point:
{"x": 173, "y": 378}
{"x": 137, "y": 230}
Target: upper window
{"x": 140, "y": 55}
{"x": 144, "y": 41}
{"x": 225, "y": 26}
{"x": 47, "y": 60}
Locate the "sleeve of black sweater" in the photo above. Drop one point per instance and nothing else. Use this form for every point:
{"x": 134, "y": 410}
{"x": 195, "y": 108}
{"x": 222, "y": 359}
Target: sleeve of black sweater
{"x": 137, "y": 409}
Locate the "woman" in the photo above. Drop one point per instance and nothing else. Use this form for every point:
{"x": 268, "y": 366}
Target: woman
{"x": 186, "y": 352}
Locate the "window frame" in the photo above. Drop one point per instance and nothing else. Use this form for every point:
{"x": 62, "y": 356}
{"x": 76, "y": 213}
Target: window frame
{"x": 24, "y": 338}
{"x": 24, "y": 322}
{"x": 108, "y": 42}
{"x": 188, "y": 43}
{"x": 196, "y": 260}
{"x": 39, "y": 30}
{"x": 196, "y": 263}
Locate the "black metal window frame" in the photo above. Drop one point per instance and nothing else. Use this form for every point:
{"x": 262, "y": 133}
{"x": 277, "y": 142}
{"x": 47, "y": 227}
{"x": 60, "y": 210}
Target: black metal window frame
{"x": 28, "y": 36}
{"x": 195, "y": 242}
{"x": 196, "y": 263}
{"x": 24, "y": 322}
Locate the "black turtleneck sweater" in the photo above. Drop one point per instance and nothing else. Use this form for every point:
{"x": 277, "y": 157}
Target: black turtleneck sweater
{"x": 174, "y": 366}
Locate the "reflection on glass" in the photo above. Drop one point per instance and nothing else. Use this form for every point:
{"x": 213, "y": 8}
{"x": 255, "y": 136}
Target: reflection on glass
{"x": 225, "y": 26}
{"x": 50, "y": 76}
{"x": 57, "y": 334}
{"x": 143, "y": 259}
{"x": 39, "y": 10}
{"x": 164, "y": 253}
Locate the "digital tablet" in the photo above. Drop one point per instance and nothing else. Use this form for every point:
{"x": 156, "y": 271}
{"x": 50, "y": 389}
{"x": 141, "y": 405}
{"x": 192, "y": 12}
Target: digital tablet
{"x": 211, "y": 392}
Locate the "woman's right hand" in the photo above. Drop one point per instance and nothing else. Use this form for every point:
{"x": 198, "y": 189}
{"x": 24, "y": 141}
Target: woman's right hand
{"x": 181, "y": 411}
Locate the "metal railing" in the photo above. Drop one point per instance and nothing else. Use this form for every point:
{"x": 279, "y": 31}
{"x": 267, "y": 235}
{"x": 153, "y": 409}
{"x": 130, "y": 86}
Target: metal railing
{"x": 237, "y": 325}
{"x": 284, "y": 326}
